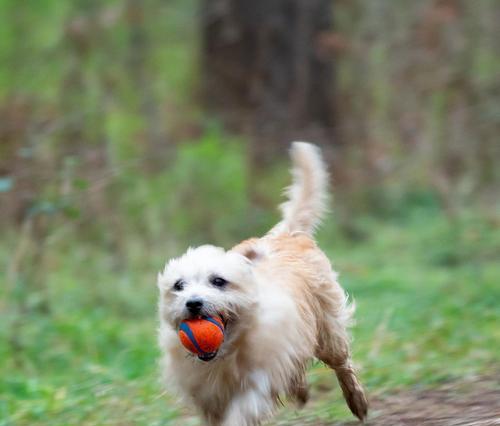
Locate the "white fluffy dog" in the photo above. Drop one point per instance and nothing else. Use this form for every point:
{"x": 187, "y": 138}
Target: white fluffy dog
{"x": 281, "y": 304}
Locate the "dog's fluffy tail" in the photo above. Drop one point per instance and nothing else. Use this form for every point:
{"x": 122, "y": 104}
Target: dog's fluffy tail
{"x": 307, "y": 194}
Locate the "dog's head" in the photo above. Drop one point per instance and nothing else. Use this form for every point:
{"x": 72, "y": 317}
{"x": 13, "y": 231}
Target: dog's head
{"x": 207, "y": 281}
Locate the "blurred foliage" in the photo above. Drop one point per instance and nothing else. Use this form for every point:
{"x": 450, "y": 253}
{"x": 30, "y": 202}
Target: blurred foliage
{"x": 108, "y": 166}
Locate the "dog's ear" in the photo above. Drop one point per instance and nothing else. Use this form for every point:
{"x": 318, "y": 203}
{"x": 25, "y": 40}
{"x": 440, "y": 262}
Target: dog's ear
{"x": 248, "y": 249}
{"x": 250, "y": 254}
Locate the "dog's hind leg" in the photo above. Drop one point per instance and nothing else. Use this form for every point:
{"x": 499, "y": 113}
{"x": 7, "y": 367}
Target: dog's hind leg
{"x": 333, "y": 349}
{"x": 338, "y": 358}
{"x": 351, "y": 388}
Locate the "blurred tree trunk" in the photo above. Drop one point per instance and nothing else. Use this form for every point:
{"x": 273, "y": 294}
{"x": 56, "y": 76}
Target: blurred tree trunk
{"x": 265, "y": 70}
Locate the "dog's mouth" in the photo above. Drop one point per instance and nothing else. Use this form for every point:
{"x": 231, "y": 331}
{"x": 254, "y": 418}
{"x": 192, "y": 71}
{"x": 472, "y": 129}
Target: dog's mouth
{"x": 207, "y": 357}
{"x": 223, "y": 318}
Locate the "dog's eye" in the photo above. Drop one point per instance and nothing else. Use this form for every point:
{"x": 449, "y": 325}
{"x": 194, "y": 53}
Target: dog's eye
{"x": 178, "y": 286}
{"x": 218, "y": 281}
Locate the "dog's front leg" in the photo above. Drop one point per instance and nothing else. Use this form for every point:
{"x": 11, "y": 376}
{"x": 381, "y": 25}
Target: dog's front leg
{"x": 248, "y": 408}
{"x": 252, "y": 404}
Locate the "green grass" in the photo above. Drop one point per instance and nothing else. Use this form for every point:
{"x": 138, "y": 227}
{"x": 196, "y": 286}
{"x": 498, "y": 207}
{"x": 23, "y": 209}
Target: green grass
{"x": 427, "y": 294}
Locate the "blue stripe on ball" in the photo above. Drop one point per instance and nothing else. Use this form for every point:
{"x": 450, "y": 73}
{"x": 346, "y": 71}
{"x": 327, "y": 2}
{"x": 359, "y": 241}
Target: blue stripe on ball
{"x": 185, "y": 328}
{"x": 213, "y": 321}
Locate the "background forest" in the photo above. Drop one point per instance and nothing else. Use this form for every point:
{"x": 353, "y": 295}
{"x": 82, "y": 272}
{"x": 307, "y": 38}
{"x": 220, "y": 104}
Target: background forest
{"x": 130, "y": 130}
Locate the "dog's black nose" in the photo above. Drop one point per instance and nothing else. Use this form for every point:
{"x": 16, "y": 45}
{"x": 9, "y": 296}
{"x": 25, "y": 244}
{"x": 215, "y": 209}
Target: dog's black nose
{"x": 194, "y": 306}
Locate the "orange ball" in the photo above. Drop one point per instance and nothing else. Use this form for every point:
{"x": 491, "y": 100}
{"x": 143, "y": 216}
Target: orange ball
{"x": 202, "y": 336}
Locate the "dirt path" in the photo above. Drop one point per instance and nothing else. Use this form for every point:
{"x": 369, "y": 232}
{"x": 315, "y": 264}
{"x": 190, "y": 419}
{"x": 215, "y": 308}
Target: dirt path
{"x": 472, "y": 403}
